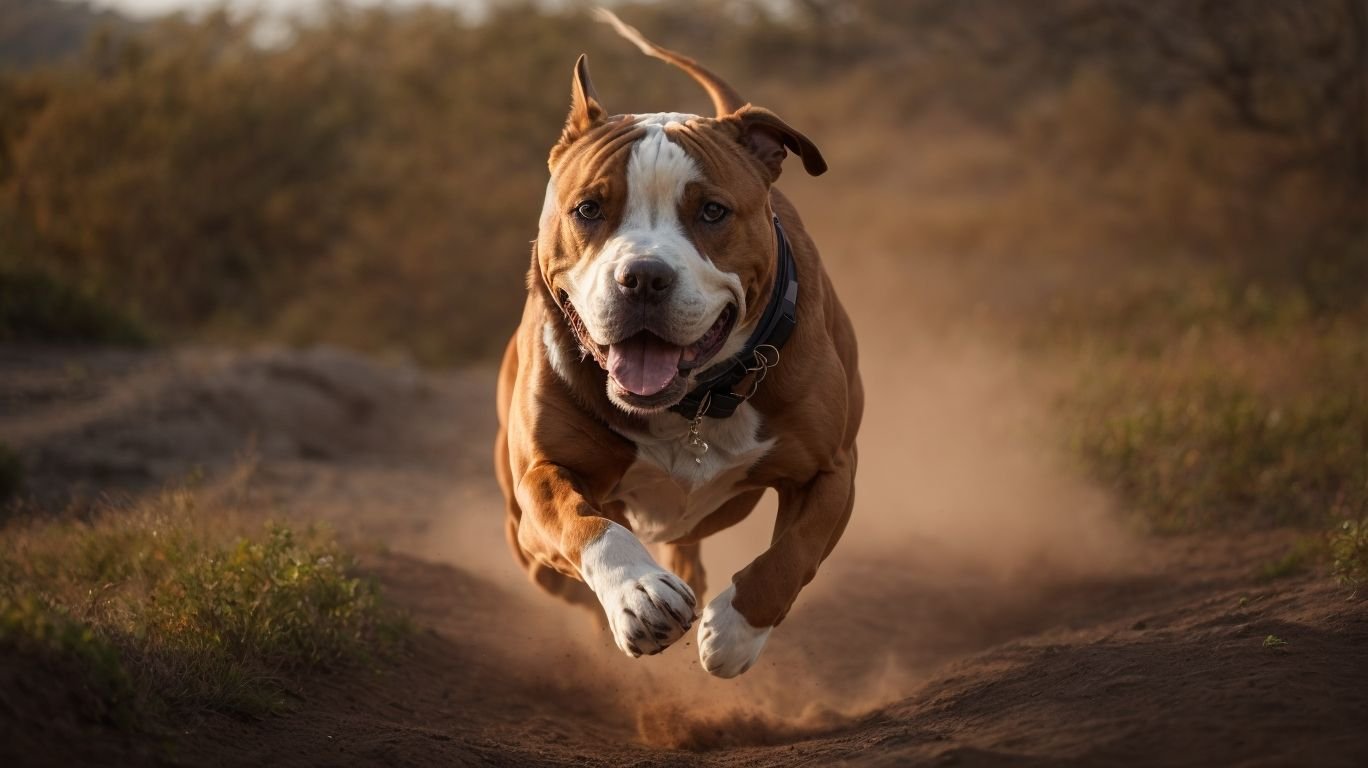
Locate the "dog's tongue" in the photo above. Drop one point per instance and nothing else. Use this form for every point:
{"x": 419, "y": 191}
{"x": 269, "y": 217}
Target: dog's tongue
{"x": 643, "y": 364}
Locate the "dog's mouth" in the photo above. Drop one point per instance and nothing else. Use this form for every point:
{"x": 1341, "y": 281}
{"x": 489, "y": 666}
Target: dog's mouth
{"x": 645, "y": 369}
{"x": 644, "y": 364}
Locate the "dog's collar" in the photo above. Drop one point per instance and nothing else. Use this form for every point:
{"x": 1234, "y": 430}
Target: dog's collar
{"x": 714, "y": 396}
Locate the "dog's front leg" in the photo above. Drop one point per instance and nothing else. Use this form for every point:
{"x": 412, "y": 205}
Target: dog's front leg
{"x": 647, "y": 607}
{"x": 811, "y": 518}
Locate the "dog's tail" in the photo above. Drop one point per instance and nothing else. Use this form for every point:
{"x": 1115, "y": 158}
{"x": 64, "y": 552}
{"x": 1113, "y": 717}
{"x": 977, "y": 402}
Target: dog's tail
{"x": 725, "y": 99}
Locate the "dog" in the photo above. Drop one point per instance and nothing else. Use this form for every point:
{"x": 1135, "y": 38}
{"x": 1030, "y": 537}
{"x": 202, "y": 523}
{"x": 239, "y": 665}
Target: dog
{"x": 681, "y": 350}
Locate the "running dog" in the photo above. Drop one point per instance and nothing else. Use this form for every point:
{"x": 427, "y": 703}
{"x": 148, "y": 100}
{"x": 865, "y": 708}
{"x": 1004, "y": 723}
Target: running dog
{"x": 681, "y": 350}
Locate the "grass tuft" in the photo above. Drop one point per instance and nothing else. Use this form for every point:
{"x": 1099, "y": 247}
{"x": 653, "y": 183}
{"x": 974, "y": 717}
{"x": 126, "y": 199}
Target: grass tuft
{"x": 1195, "y": 441}
{"x": 1297, "y": 561}
{"x": 31, "y": 628}
{"x": 284, "y": 599}
{"x": 1349, "y": 552}
{"x": 192, "y": 616}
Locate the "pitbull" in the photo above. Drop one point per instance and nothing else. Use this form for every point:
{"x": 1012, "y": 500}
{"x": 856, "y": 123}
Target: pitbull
{"x": 681, "y": 350}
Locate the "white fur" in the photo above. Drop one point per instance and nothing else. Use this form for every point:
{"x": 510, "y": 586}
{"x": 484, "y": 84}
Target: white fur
{"x": 658, "y": 171}
{"x": 648, "y": 608}
{"x": 667, "y": 492}
{"x": 553, "y": 352}
{"x": 727, "y": 644}
{"x": 549, "y": 207}
{"x": 663, "y": 119}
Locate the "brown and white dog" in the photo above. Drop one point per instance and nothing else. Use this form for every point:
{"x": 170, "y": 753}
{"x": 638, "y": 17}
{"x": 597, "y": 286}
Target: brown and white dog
{"x": 665, "y": 276}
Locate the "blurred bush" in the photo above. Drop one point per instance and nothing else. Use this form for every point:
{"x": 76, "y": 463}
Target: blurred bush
{"x": 1232, "y": 430}
{"x": 1349, "y": 550}
{"x": 11, "y": 474}
{"x": 37, "y": 32}
{"x": 373, "y": 177}
{"x": 36, "y": 307}
{"x": 1170, "y": 193}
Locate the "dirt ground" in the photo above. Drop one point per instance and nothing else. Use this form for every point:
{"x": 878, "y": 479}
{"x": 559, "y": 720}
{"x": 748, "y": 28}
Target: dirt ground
{"x": 984, "y": 608}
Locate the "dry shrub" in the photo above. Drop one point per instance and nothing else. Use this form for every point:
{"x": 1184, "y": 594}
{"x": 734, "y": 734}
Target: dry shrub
{"x": 1144, "y": 179}
{"x": 374, "y": 180}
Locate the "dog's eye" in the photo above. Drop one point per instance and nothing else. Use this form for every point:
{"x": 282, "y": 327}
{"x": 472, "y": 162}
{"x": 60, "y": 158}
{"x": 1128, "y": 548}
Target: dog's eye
{"x": 589, "y": 210}
{"x": 713, "y": 212}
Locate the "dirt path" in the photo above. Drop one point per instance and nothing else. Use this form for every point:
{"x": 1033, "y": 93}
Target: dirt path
{"x": 982, "y": 610}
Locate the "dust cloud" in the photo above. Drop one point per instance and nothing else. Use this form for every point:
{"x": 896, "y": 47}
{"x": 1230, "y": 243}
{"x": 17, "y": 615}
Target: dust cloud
{"x": 968, "y": 526}
{"x": 970, "y": 529}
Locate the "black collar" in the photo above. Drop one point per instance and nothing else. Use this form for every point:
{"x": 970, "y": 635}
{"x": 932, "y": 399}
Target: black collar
{"x": 713, "y": 397}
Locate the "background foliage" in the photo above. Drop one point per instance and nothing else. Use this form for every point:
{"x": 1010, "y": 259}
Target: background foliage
{"x": 1171, "y": 193}
{"x": 373, "y": 179}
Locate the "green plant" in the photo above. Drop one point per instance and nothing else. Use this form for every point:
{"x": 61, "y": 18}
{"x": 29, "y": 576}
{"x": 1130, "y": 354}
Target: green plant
{"x": 193, "y": 614}
{"x": 1294, "y": 562}
{"x": 27, "y": 625}
{"x": 283, "y": 599}
{"x": 1349, "y": 552}
{"x": 1190, "y": 442}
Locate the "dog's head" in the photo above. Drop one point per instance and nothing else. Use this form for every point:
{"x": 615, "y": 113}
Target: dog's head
{"x": 656, "y": 238}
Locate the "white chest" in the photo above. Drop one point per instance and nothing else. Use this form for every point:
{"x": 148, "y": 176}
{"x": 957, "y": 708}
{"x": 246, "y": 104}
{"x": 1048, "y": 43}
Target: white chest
{"x": 668, "y": 491}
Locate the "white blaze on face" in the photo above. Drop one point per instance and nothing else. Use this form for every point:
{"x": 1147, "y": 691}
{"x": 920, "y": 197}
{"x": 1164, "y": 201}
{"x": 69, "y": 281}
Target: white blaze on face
{"x": 549, "y": 207}
{"x": 658, "y": 171}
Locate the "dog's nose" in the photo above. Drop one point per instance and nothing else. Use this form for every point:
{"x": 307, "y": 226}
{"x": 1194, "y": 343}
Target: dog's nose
{"x": 645, "y": 279}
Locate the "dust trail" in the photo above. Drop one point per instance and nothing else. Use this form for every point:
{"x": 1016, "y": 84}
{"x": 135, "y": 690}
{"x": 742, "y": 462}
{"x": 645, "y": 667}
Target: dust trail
{"x": 967, "y": 520}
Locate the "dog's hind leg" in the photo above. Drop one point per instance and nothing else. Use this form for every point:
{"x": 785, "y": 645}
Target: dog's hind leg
{"x": 686, "y": 560}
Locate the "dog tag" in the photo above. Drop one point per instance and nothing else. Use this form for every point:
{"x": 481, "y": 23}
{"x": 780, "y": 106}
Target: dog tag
{"x": 695, "y": 443}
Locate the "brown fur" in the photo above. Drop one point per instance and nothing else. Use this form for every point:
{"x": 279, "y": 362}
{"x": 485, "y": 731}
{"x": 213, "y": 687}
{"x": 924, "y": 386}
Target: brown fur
{"x": 559, "y": 441}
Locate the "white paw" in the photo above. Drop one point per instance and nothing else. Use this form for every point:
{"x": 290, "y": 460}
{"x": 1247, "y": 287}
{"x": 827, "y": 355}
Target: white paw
{"x": 727, "y": 644}
{"x": 647, "y": 606}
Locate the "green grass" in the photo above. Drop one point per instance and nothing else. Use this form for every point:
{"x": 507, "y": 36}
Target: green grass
{"x": 36, "y": 307}
{"x": 35, "y": 630}
{"x": 1297, "y": 561}
{"x": 1349, "y": 552}
{"x": 1208, "y": 434}
{"x": 160, "y": 605}
{"x": 1234, "y": 411}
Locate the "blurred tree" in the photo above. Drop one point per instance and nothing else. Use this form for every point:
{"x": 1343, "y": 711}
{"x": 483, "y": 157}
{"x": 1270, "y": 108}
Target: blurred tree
{"x": 373, "y": 177}
{"x": 35, "y": 33}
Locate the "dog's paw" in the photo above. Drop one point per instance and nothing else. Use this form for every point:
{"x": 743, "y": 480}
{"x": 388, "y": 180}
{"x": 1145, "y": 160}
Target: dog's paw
{"x": 727, "y": 644}
{"x": 647, "y": 607}
{"x": 649, "y": 613}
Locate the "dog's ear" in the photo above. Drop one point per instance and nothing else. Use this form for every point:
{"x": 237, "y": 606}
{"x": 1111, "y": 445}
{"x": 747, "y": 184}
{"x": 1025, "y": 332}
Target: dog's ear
{"x": 769, "y": 138}
{"x": 586, "y": 112}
